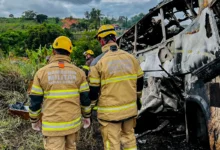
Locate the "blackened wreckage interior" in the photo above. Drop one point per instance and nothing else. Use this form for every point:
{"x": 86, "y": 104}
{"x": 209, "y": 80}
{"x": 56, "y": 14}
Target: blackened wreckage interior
{"x": 178, "y": 46}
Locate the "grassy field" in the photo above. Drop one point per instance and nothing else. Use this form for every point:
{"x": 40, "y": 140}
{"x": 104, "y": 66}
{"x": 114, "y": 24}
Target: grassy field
{"x": 20, "y": 24}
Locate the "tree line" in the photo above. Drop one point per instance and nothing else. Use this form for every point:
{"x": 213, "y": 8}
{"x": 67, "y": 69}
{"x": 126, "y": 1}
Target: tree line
{"x": 42, "y": 32}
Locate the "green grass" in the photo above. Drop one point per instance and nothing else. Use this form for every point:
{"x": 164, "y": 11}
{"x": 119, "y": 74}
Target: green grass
{"x": 20, "y": 24}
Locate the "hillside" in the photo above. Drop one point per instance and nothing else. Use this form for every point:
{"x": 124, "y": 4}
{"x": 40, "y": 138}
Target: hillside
{"x": 12, "y": 24}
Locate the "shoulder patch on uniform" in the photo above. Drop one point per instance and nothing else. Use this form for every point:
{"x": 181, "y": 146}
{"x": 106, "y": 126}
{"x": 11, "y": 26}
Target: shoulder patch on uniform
{"x": 96, "y": 60}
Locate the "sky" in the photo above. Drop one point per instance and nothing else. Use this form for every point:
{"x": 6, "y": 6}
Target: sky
{"x": 76, "y": 8}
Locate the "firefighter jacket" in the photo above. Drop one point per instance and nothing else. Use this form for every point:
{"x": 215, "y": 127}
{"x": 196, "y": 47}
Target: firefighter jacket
{"x": 116, "y": 77}
{"x": 86, "y": 66}
{"x": 62, "y": 90}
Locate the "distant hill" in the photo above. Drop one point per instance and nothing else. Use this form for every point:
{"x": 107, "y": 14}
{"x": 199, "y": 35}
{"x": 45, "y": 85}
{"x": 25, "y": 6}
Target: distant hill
{"x": 22, "y": 24}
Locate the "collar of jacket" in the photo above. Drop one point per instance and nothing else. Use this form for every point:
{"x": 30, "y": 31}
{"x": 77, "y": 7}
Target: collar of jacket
{"x": 56, "y": 58}
{"x": 107, "y": 47}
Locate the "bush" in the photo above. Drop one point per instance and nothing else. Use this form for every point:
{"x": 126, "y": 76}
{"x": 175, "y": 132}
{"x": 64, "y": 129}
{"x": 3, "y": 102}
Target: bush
{"x": 84, "y": 43}
{"x": 12, "y": 40}
{"x": 43, "y": 34}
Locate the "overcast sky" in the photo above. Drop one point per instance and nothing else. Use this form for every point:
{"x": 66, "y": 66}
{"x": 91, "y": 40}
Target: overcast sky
{"x": 76, "y": 8}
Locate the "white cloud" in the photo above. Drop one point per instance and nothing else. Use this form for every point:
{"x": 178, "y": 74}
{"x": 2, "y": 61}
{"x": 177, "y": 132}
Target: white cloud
{"x": 66, "y": 8}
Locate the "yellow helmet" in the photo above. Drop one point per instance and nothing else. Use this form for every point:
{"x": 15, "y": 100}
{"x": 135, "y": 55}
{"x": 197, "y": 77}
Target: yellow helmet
{"x": 88, "y": 52}
{"x": 63, "y": 42}
{"x": 105, "y": 30}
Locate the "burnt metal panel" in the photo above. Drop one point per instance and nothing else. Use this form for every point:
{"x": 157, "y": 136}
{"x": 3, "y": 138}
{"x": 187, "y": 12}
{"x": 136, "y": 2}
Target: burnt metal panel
{"x": 215, "y": 95}
{"x": 209, "y": 71}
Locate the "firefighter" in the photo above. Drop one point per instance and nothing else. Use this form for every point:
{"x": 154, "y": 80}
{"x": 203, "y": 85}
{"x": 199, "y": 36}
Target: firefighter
{"x": 62, "y": 90}
{"x": 116, "y": 77}
{"x": 89, "y": 55}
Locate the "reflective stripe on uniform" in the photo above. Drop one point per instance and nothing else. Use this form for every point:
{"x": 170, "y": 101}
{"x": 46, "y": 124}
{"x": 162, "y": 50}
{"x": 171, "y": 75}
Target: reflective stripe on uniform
{"x": 132, "y": 148}
{"x": 85, "y": 67}
{"x": 61, "y": 93}
{"x": 94, "y": 80}
{"x": 37, "y": 90}
{"x": 61, "y": 126}
{"x": 34, "y": 114}
{"x": 87, "y": 109}
{"x": 119, "y": 79}
{"x": 107, "y": 145}
{"x": 117, "y": 108}
{"x": 95, "y": 108}
{"x": 140, "y": 72}
{"x": 84, "y": 87}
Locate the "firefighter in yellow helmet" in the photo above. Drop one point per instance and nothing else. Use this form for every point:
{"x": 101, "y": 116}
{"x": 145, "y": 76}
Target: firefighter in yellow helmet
{"x": 116, "y": 77}
{"x": 60, "y": 92}
{"x": 89, "y": 55}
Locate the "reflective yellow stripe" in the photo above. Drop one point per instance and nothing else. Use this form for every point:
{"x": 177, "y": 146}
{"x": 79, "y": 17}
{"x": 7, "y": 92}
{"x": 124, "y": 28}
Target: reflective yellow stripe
{"x": 94, "y": 80}
{"x": 61, "y": 93}
{"x": 140, "y": 72}
{"x": 61, "y": 126}
{"x": 107, "y": 145}
{"x": 87, "y": 109}
{"x": 117, "y": 108}
{"x": 86, "y": 67}
{"x": 133, "y": 148}
{"x": 34, "y": 113}
{"x": 95, "y": 108}
{"x": 84, "y": 87}
{"x": 119, "y": 79}
{"x": 37, "y": 90}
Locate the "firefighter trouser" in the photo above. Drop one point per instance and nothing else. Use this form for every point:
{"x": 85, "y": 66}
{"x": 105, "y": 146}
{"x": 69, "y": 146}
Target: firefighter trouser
{"x": 115, "y": 134}
{"x": 67, "y": 142}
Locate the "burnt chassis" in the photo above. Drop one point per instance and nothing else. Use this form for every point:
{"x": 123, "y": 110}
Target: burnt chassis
{"x": 193, "y": 79}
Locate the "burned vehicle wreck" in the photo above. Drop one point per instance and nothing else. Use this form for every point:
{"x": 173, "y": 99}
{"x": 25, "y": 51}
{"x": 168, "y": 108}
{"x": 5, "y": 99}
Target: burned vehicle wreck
{"x": 178, "y": 46}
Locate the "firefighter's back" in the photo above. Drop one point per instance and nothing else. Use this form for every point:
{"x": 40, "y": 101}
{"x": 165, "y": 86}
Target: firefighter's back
{"x": 60, "y": 82}
{"x": 119, "y": 72}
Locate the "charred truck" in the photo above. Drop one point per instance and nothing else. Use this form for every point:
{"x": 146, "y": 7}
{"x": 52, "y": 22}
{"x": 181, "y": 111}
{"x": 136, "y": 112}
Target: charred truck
{"x": 178, "y": 46}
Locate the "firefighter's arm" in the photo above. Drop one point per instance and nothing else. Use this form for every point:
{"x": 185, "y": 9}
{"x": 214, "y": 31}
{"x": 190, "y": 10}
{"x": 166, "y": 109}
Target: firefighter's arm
{"x": 94, "y": 84}
{"x": 36, "y": 99}
{"x": 84, "y": 97}
{"x": 140, "y": 84}
{"x": 86, "y": 69}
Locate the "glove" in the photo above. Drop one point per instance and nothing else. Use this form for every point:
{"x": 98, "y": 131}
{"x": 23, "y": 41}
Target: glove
{"x": 139, "y": 104}
{"x": 36, "y": 126}
{"x": 86, "y": 122}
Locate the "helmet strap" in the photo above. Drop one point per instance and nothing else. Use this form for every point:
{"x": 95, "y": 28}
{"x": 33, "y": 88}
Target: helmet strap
{"x": 102, "y": 42}
{"x": 105, "y": 40}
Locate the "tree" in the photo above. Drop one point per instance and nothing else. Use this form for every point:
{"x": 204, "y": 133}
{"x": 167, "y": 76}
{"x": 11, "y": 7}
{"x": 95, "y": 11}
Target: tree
{"x": 135, "y": 19}
{"x": 57, "y": 19}
{"x": 121, "y": 19}
{"x": 13, "y": 41}
{"x": 106, "y": 20}
{"x": 42, "y": 35}
{"x": 29, "y": 15}
{"x": 87, "y": 15}
{"x": 84, "y": 43}
{"x": 125, "y": 23}
{"x": 41, "y": 18}
{"x": 94, "y": 17}
{"x": 11, "y": 16}
{"x": 83, "y": 24}
{"x": 98, "y": 17}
